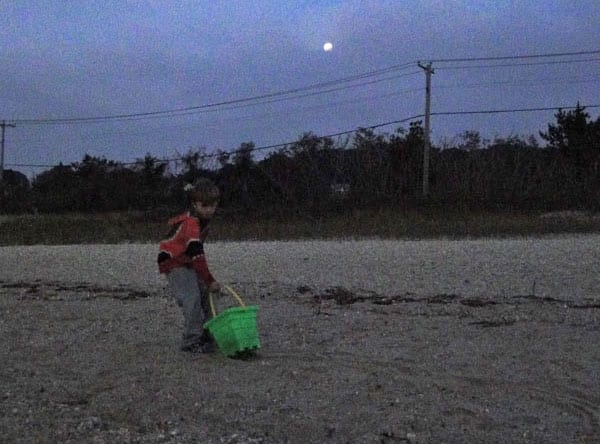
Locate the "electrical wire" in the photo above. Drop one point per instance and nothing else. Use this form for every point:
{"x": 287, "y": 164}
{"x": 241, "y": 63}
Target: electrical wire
{"x": 341, "y": 133}
{"x": 349, "y": 79}
{"x": 513, "y": 110}
{"x": 540, "y": 82}
{"x": 508, "y": 65}
{"x": 260, "y": 98}
{"x": 214, "y": 110}
{"x": 333, "y": 85}
{"x": 516, "y": 57}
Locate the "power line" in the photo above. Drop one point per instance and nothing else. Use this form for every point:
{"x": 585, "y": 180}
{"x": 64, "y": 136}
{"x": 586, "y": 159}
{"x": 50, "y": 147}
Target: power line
{"x": 226, "y": 108}
{"x": 238, "y": 102}
{"x": 542, "y": 82}
{"x": 341, "y": 133}
{"x": 251, "y": 116}
{"x": 258, "y": 98}
{"x": 507, "y": 65}
{"x": 333, "y": 85}
{"x": 514, "y": 110}
{"x": 260, "y": 148}
{"x": 516, "y": 57}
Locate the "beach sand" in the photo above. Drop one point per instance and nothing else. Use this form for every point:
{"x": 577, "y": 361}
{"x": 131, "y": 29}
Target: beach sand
{"x": 492, "y": 340}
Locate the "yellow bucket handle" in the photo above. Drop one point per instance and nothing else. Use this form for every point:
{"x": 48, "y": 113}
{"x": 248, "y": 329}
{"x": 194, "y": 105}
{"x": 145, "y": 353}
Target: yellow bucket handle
{"x": 232, "y": 292}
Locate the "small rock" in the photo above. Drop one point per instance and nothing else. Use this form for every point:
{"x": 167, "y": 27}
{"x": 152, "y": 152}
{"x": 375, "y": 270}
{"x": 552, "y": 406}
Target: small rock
{"x": 93, "y": 422}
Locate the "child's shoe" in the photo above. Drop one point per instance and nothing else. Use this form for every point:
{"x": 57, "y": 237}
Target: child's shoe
{"x": 209, "y": 347}
{"x": 201, "y": 347}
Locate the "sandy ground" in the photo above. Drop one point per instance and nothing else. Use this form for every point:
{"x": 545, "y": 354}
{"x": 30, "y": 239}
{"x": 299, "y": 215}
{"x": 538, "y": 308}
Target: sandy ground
{"x": 362, "y": 341}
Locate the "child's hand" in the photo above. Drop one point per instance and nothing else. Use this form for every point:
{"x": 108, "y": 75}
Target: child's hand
{"x": 214, "y": 287}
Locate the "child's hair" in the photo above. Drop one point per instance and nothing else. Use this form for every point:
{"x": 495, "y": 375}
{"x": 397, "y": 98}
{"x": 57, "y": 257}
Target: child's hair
{"x": 202, "y": 190}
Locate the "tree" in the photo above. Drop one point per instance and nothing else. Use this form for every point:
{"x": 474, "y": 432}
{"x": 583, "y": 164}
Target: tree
{"x": 243, "y": 156}
{"x": 577, "y": 139}
{"x": 574, "y": 134}
{"x": 14, "y": 192}
{"x": 97, "y": 191}
{"x": 151, "y": 182}
{"x": 243, "y": 165}
{"x": 223, "y": 158}
{"x": 310, "y": 144}
{"x": 371, "y": 179}
{"x": 313, "y": 171}
{"x": 56, "y": 190}
{"x": 471, "y": 140}
{"x": 192, "y": 164}
{"x": 406, "y": 160}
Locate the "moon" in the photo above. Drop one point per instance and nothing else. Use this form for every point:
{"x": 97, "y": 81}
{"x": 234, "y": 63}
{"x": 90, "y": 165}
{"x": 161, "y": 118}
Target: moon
{"x": 327, "y": 46}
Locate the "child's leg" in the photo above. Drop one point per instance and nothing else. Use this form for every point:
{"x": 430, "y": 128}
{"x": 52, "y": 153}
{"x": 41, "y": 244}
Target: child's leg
{"x": 205, "y": 302}
{"x": 207, "y": 313}
{"x": 183, "y": 286}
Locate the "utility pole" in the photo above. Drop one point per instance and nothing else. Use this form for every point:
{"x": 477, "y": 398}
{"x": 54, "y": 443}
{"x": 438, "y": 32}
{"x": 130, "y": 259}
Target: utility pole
{"x": 427, "y": 143}
{"x": 3, "y": 125}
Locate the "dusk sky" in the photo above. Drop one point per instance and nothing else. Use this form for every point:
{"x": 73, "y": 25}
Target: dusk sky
{"x": 165, "y": 64}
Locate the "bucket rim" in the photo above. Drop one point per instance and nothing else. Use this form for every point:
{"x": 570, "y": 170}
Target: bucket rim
{"x": 230, "y": 310}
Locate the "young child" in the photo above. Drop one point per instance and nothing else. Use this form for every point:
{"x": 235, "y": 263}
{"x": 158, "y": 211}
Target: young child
{"x": 183, "y": 261}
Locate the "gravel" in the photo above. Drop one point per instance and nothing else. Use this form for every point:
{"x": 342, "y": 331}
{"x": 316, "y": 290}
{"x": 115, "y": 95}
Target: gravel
{"x": 491, "y": 340}
{"x": 559, "y": 267}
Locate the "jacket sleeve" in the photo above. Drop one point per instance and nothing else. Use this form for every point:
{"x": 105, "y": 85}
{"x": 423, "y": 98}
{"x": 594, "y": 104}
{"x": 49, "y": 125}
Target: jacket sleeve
{"x": 195, "y": 252}
{"x": 173, "y": 249}
{"x": 200, "y": 265}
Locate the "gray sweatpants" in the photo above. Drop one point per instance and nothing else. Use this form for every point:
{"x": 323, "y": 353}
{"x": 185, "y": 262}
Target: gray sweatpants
{"x": 192, "y": 297}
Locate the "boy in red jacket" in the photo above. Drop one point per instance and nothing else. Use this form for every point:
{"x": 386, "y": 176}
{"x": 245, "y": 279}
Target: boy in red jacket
{"x": 183, "y": 261}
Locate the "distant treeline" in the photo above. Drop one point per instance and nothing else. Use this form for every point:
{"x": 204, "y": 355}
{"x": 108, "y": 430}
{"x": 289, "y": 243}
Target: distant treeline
{"x": 317, "y": 175}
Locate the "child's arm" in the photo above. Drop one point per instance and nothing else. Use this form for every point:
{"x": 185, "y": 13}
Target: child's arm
{"x": 200, "y": 265}
{"x": 195, "y": 251}
{"x": 179, "y": 248}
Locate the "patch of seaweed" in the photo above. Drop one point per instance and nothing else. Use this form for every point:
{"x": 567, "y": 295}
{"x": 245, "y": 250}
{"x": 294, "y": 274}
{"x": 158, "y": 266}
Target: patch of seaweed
{"x": 491, "y": 324}
{"x": 39, "y": 290}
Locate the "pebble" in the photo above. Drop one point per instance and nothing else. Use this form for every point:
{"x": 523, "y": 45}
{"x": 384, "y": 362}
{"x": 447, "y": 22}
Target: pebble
{"x": 90, "y": 423}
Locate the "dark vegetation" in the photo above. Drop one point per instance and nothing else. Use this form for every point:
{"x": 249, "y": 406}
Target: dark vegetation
{"x": 368, "y": 175}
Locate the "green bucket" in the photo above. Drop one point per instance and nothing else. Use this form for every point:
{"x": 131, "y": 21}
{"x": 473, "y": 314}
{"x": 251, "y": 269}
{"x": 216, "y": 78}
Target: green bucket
{"x": 234, "y": 329}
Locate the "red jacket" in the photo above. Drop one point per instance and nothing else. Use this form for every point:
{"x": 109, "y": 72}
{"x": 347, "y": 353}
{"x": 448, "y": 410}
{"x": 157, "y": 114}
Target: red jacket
{"x": 184, "y": 247}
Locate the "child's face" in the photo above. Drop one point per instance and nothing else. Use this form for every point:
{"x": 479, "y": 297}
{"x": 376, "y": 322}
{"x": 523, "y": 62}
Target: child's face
{"x": 204, "y": 210}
